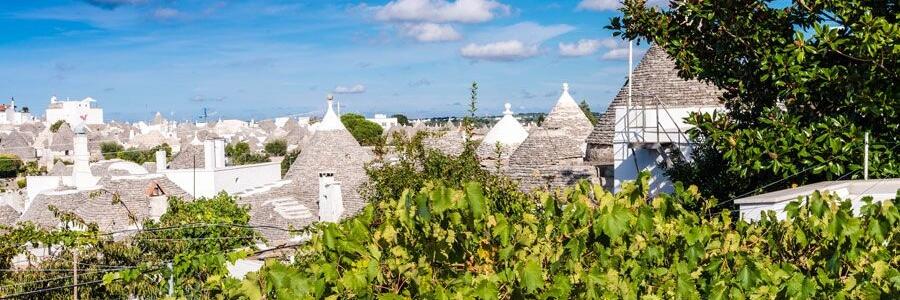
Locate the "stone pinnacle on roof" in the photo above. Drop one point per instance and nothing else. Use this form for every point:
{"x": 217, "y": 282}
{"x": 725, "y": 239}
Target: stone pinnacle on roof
{"x": 568, "y": 116}
{"x": 508, "y": 131}
{"x": 331, "y": 121}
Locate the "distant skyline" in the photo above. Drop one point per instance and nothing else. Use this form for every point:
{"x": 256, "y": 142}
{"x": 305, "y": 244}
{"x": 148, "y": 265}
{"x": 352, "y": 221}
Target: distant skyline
{"x": 262, "y": 59}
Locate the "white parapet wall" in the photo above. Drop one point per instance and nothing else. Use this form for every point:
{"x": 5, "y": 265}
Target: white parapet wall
{"x": 233, "y": 179}
{"x": 752, "y": 208}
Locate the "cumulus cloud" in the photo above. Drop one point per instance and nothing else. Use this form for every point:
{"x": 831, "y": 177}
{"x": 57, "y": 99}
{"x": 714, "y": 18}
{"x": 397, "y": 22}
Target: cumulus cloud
{"x": 112, "y": 4}
{"x": 441, "y": 11}
{"x": 603, "y": 5}
{"x": 584, "y": 47}
{"x": 499, "y": 51}
{"x": 355, "y": 89}
{"x": 431, "y": 32}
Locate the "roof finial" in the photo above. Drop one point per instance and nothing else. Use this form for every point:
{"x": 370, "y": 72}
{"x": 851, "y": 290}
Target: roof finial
{"x": 507, "y": 111}
{"x": 565, "y": 87}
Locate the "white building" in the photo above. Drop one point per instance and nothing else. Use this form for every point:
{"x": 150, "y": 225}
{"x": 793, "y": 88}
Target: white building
{"x": 201, "y": 171}
{"x": 74, "y": 112}
{"x": 644, "y": 128}
{"x": 383, "y": 121}
{"x": 752, "y": 208}
{"x": 11, "y": 114}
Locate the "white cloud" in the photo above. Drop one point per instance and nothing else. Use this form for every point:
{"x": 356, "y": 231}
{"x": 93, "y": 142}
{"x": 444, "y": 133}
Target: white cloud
{"x": 584, "y": 47}
{"x": 356, "y": 89}
{"x": 441, "y": 11}
{"x": 616, "y": 54}
{"x": 527, "y": 32}
{"x": 166, "y": 13}
{"x": 499, "y": 51}
{"x": 431, "y": 32}
{"x": 599, "y": 5}
{"x": 602, "y": 5}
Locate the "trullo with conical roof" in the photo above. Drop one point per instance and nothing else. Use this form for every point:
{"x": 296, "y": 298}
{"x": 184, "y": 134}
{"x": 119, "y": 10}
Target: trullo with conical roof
{"x": 508, "y": 134}
{"x": 331, "y": 169}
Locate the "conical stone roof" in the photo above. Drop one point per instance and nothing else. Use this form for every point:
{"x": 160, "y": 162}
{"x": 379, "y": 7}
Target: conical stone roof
{"x": 545, "y": 147}
{"x": 331, "y": 149}
{"x": 655, "y": 78}
{"x": 62, "y": 139}
{"x": 568, "y": 116}
{"x": 191, "y": 156}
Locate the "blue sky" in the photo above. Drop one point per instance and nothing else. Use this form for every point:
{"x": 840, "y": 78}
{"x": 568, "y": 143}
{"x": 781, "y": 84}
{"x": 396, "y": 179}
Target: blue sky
{"x": 259, "y": 59}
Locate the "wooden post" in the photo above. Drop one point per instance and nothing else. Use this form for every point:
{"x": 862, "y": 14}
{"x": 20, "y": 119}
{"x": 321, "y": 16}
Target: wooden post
{"x": 75, "y": 274}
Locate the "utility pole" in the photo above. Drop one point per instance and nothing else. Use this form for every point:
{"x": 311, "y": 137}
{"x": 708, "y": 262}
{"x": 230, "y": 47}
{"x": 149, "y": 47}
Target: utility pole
{"x": 171, "y": 280}
{"x": 866, "y": 157}
{"x": 75, "y": 274}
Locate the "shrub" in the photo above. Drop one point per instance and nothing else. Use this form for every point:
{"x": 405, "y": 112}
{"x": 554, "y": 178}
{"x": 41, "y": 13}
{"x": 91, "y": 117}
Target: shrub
{"x": 10, "y": 164}
{"x": 55, "y": 127}
{"x": 276, "y": 147}
{"x": 288, "y": 161}
{"x": 22, "y": 183}
{"x": 364, "y": 131}
{"x": 110, "y": 149}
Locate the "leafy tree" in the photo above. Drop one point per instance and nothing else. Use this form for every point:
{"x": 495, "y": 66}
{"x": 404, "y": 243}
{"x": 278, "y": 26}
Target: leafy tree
{"x": 240, "y": 154}
{"x": 366, "y": 132}
{"x": 9, "y": 165}
{"x": 139, "y": 156}
{"x": 32, "y": 168}
{"x": 55, "y": 126}
{"x": 794, "y": 77}
{"x": 237, "y": 149}
{"x": 401, "y": 119}
{"x": 288, "y": 160}
{"x": 110, "y": 149}
{"x": 197, "y": 237}
{"x": 276, "y": 147}
{"x": 586, "y": 109}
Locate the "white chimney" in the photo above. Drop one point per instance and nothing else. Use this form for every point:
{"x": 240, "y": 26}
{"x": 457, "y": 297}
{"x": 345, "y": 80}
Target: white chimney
{"x": 161, "y": 164}
{"x": 81, "y": 171}
{"x": 331, "y": 202}
{"x": 209, "y": 154}
{"x": 220, "y": 153}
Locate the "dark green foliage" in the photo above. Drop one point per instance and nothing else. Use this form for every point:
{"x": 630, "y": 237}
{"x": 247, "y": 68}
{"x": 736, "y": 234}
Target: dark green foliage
{"x": 198, "y": 237}
{"x": 366, "y": 132}
{"x": 240, "y": 154}
{"x": 55, "y": 126}
{"x": 110, "y": 149}
{"x": 10, "y": 164}
{"x": 401, "y": 119}
{"x": 586, "y": 109}
{"x": 139, "y": 156}
{"x": 288, "y": 160}
{"x": 32, "y": 168}
{"x": 276, "y": 148}
{"x": 803, "y": 82}
{"x": 585, "y": 243}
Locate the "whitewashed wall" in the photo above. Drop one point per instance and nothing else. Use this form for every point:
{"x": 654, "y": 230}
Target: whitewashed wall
{"x": 629, "y": 162}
